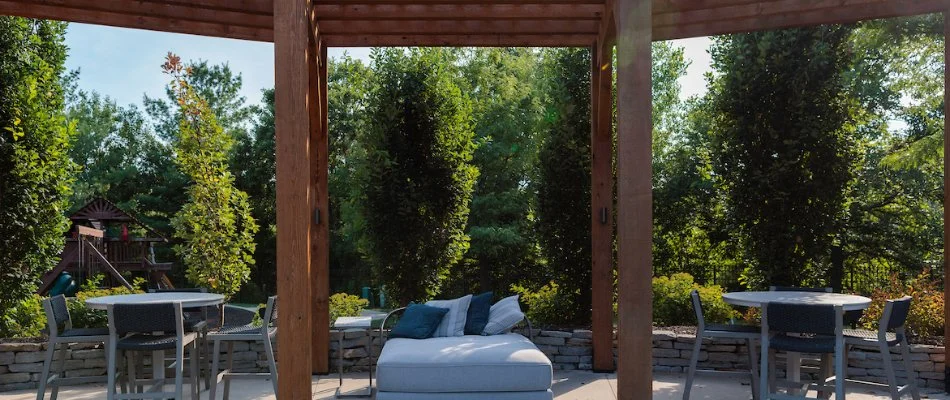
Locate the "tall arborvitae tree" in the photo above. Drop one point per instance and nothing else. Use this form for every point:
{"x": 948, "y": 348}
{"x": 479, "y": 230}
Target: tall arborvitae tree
{"x": 416, "y": 177}
{"x": 35, "y": 169}
{"x": 507, "y": 117}
{"x": 215, "y": 226}
{"x": 564, "y": 178}
{"x": 784, "y": 147}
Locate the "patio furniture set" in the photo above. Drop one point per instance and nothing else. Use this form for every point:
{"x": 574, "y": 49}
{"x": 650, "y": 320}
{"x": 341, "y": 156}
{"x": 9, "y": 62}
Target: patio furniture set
{"x": 157, "y": 323}
{"x": 809, "y": 320}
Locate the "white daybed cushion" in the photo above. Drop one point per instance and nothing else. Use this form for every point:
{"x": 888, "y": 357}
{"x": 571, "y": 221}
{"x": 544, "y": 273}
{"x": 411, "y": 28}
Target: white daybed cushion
{"x": 453, "y": 323}
{"x": 540, "y": 395}
{"x": 503, "y": 316}
{"x": 499, "y": 363}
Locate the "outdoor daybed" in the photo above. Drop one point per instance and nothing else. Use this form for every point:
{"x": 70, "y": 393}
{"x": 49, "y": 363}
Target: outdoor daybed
{"x": 507, "y": 366}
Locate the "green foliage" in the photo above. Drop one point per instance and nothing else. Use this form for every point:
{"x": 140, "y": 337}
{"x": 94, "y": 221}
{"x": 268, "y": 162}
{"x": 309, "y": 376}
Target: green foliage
{"x": 784, "y": 146}
{"x": 673, "y": 306}
{"x": 35, "y": 169}
{"x": 26, "y": 319}
{"x": 346, "y": 305}
{"x": 926, "y": 317}
{"x": 415, "y": 174}
{"x": 563, "y": 213}
{"x": 215, "y": 226}
{"x": 549, "y": 305}
{"x": 507, "y": 115}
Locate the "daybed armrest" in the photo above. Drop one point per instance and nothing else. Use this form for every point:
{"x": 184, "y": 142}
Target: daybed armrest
{"x": 382, "y": 326}
{"x": 530, "y": 334}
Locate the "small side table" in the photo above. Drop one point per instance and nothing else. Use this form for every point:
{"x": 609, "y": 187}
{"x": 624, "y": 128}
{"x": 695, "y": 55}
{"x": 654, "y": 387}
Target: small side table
{"x": 354, "y": 324}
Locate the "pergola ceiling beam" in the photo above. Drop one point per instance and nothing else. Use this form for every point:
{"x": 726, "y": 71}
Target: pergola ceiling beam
{"x": 481, "y": 40}
{"x": 782, "y": 14}
{"x": 165, "y": 10}
{"x": 164, "y": 24}
{"x": 327, "y": 12}
{"x": 444, "y": 27}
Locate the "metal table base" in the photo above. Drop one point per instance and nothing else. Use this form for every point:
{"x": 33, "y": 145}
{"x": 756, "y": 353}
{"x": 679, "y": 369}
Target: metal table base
{"x": 365, "y": 392}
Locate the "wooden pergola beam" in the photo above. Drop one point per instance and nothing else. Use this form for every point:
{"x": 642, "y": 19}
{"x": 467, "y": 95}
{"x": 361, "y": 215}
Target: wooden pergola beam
{"x": 166, "y": 10}
{"x": 783, "y": 14}
{"x": 480, "y": 40}
{"x": 330, "y": 12}
{"x": 164, "y": 24}
{"x": 447, "y": 27}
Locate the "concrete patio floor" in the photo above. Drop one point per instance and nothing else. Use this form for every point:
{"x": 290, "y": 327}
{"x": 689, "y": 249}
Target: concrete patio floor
{"x": 568, "y": 385}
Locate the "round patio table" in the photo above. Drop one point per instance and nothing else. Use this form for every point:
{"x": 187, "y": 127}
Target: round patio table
{"x": 849, "y": 302}
{"x": 187, "y": 300}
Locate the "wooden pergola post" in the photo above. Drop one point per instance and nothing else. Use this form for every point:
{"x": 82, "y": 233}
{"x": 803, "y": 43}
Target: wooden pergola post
{"x": 293, "y": 106}
{"x": 634, "y": 199}
{"x": 320, "y": 233}
{"x": 602, "y": 205}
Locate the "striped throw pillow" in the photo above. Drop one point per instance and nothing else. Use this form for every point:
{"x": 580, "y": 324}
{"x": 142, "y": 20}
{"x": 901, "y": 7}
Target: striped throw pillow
{"x": 503, "y": 316}
{"x": 453, "y": 323}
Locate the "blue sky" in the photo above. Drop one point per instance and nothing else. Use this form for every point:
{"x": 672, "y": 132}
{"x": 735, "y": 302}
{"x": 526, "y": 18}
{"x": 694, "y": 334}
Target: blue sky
{"x": 124, "y": 64}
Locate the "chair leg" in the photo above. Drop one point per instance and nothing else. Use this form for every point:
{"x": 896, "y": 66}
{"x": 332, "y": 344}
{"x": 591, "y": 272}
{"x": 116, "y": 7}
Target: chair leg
{"x": 213, "y": 387}
{"x": 840, "y": 363}
{"x": 825, "y": 366}
{"x": 195, "y": 374}
{"x": 47, "y": 365}
{"x": 889, "y": 370}
{"x": 110, "y": 372}
{"x": 227, "y": 381}
{"x": 61, "y": 370}
{"x": 753, "y": 369}
{"x": 179, "y": 371}
{"x": 909, "y": 368}
{"x": 773, "y": 375}
{"x": 765, "y": 368}
{"x": 131, "y": 365}
{"x": 691, "y": 372}
{"x": 271, "y": 364}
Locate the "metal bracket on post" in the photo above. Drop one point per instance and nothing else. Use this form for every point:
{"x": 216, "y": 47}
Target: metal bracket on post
{"x": 603, "y": 215}
{"x": 316, "y": 216}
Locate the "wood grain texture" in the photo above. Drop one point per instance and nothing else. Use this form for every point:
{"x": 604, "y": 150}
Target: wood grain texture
{"x": 634, "y": 200}
{"x": 448, "y": 27}
{"x": 458, "y": 11}
{"x": 293, "y": 107}
{"x": 498, "y": 40}
{"x": 319, "y": 190}
{"x": 602, "y": 199}
{"x": 163, "y": 24}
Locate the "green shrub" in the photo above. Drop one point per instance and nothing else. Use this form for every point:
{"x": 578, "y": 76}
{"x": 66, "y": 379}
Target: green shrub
{"x": 24, "y": 320}
{"x": 547, "y": 306}
{"x": 672, "y": 304}
{"x": 85, "y": 317}
{"x": 926, "y": 309}
{"x": 346, "y": 305}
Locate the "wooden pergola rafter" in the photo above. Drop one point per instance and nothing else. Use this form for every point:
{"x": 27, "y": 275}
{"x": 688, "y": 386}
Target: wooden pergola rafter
{"x": 302, "y": 30}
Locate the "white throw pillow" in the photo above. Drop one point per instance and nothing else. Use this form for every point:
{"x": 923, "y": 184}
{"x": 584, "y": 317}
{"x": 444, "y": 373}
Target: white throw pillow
{"x": 503, "y": 316}
{"x": 453, "y": 323}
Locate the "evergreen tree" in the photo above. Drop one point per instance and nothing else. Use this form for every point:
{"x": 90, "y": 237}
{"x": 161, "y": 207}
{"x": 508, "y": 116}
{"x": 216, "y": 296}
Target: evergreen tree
{"x": 784, "y": 147}
{"x": 416, "y": 177}
{"x": 35, "y": 169}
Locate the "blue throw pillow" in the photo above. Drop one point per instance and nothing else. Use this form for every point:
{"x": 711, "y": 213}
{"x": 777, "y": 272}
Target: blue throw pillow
{"x": 418, "y": 322}
{"x": 478, "y": 314}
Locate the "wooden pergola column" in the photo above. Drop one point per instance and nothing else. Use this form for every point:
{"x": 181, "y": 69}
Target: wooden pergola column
{"x": 294, "y": 107}
{"x": 602, "y": 205}
{"x": 320, "y": 232}
{"x": 634, "y": 199}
